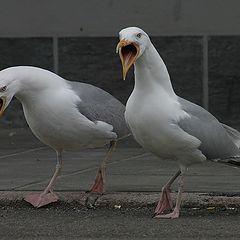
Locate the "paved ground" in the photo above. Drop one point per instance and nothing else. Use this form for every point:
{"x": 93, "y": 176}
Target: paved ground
{"x": 211, "y": 202}
{"x": 70, "y": 221}
{"x": 26, "y": 164}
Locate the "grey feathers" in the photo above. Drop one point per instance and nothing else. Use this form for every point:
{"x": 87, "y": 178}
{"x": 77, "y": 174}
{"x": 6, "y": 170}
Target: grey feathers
{"x": 233, "y": 134}
{"x": 217, "y": 142}
{"x": 98, "y": 105}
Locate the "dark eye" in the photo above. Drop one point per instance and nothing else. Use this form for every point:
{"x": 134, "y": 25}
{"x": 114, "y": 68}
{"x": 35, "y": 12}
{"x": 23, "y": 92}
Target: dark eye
{"x": 3, "y": 89}
{"x": 139, "y": 35}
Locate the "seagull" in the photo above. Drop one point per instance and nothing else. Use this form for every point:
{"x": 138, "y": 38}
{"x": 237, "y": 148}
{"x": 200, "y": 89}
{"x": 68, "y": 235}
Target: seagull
{"x": 65, "y": 115}
{"x": 167, "y": 125}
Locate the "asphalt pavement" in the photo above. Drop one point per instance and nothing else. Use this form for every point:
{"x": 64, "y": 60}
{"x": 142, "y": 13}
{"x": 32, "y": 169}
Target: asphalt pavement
{"x": 134, "y": 180}
{"x": 71, "y": 221}
{"x": 27, "y": 165}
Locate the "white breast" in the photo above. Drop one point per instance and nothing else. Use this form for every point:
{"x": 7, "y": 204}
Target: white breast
{"x": 152, "y": 119}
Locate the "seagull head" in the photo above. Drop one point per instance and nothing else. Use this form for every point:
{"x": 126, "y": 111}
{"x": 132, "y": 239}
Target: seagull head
{"x": 26, "y": 83}
{"x": 8, "y": 88}
{"x": 132, "y": 44}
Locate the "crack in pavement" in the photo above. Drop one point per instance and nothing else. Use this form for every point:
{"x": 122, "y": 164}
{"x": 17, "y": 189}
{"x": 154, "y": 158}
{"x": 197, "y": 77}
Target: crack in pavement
{"x": 80, "y": 171}
{"x": 22, "y": 152}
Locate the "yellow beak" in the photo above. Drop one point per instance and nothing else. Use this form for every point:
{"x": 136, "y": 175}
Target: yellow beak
{"x": 2, "y": 105}
{"x": 128, "y": 52}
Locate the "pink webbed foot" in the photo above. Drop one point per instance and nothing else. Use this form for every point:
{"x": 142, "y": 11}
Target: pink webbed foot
{"x": 165, "y": 202}
{"x": 97, "y": 189}
{"x": 172, "y": 215}
{"x": 41, "y": 199}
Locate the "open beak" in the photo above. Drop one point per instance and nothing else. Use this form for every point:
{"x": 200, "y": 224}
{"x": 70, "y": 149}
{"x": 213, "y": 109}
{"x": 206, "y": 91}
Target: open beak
{"x": 2, "y": 105}
{"x": 128, "y": 52}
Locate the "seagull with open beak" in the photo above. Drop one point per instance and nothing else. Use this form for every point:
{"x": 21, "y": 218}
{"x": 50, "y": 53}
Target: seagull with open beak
{"x": 128, "y": 51}
{"x": 169, "y": 126}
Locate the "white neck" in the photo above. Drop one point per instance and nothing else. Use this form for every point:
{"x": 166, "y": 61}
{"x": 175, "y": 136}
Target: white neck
{"x": 150, "y": 71}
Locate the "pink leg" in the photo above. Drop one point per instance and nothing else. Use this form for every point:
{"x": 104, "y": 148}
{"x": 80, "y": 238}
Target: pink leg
{"x": 175, "y": 213}
{"x": 47, "y": 196}
{"x": 98, "y": 187}
{"x": 165, "y": 201}
{"x": 99, "y": 184}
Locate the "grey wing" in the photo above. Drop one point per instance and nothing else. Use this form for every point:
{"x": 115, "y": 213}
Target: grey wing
{"x": 216, "y": 142}
{"x": 98, "y": 105}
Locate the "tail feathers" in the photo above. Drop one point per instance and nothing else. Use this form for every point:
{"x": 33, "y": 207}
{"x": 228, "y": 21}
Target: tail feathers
{"x": 233, "y": 161}
{"x": 106, "y": 128}
{"x": 233, "y": 134}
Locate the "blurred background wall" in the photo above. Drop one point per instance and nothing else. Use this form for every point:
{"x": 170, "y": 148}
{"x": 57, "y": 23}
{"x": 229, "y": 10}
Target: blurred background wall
{"x": 199, "y": 41}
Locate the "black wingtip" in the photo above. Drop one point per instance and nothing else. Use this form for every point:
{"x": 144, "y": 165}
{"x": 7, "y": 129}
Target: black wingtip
{"x": 235, "y": 163}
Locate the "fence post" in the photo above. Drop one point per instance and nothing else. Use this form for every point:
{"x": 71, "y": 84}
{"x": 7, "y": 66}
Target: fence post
{"x": 205, "y": 73}
{"x": 55, "y": 54}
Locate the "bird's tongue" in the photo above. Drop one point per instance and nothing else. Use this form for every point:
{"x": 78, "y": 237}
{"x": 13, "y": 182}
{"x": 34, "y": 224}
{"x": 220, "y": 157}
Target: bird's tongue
{"x": 128, "y": 58}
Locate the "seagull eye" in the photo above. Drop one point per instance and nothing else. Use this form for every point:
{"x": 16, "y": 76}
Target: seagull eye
{"x": 3, "y": 89}
{"x": 139, "y": 35}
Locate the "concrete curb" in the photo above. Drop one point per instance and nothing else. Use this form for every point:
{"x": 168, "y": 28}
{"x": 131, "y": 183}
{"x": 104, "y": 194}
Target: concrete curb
{"x": 135, "y": 199}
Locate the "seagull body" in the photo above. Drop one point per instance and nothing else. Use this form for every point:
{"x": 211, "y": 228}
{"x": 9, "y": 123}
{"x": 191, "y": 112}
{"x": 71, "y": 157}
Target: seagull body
{"x": 65, "y": 115}
{"x": 64, "y": 119}
{"x": 165, "y": 124}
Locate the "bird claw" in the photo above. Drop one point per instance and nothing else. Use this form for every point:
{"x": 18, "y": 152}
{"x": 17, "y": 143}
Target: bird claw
{"x": 40, "y": 200}
{"x": 172, "y": 215}
{"x": 91, "y": 200}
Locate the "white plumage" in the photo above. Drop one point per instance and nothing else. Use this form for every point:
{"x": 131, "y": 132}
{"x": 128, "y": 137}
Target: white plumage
{"x": 67, "y": 116}
{"x": 165, "y": 124}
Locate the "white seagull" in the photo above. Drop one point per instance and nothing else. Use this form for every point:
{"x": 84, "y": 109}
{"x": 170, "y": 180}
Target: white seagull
{"x": 169, "y": 126}
{"x": 65, "y": 115}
